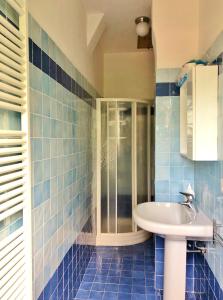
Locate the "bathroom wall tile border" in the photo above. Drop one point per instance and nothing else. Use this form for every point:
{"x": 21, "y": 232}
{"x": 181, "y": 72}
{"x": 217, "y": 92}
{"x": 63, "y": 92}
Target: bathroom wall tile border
{"x": 45, "y": 63}
{"x": 164, "y": 89}
{"x": 166, "y": 82}
{"x": 42, "y": 61}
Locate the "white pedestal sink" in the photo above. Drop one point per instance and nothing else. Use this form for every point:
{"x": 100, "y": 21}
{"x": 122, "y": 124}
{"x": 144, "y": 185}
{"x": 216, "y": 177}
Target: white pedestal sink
{"x": 177, "y": 223}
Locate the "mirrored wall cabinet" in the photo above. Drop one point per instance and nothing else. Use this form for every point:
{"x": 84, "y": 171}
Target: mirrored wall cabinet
{"x": 198, "y": 114}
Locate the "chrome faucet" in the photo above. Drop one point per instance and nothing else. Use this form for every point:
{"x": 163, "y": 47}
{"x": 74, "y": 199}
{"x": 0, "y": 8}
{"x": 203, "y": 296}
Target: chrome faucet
{"x": 189, "y": 202}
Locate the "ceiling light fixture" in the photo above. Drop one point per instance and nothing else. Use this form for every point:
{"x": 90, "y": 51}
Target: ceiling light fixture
{"x": 142, "y": 25}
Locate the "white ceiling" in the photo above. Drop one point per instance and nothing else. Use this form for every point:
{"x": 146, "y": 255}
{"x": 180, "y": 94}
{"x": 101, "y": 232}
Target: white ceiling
{"x": 120, "y": 35}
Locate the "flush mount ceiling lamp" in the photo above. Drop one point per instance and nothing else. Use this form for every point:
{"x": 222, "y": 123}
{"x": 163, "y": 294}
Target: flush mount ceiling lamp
{"x": 144, "y": 33}
{"x": 142, "y": 25}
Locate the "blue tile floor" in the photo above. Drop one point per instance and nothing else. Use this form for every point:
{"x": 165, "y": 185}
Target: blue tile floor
{"x": 121, "y": 273}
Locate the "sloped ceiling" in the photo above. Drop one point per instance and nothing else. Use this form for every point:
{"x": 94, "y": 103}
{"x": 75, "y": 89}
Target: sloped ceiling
{"x": 119, "y": 15}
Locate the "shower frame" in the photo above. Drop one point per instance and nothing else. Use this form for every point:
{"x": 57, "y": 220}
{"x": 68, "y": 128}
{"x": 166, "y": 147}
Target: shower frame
{"x": 136, "y": 235}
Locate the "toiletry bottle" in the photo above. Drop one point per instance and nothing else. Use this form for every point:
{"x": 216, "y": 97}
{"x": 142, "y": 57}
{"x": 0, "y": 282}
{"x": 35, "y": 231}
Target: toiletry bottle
{"x": 190, "y": 190}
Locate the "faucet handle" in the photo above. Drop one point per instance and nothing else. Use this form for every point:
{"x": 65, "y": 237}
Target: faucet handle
{"x": 189, "y": 196}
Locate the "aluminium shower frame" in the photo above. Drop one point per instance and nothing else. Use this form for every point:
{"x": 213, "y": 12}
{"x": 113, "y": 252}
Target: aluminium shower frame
{"x": 137, "y": 235}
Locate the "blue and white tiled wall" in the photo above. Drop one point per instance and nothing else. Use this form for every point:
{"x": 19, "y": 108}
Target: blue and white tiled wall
{"x": 62, "y": 114}
{"x": 63, "y": 130}
{"x": 173, "y": 172}
{"x": 62, "y": 117}
{"x": 209, "y": 175}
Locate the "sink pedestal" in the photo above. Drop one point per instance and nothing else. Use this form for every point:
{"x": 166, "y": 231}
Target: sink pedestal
{"x": 174, "y": 268}
{"x": 177, "y": 223}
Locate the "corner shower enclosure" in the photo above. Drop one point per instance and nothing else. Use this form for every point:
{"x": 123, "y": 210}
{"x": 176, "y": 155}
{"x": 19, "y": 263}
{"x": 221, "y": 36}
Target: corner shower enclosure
{"x": 123, "y": 168}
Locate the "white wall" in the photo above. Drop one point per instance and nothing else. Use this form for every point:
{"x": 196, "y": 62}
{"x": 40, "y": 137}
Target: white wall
{"x": 175, "y": 29}
{"x": 129, "y": 75}
{"x": 182, "y": 31}
{"x": 210, "y": 23}
{"x": 65, "y": 22}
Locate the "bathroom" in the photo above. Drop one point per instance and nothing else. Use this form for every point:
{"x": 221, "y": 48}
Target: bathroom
{"x": 109, "y": 111}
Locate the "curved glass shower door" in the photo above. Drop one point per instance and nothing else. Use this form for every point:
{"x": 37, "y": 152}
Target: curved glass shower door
{"x": 124, "y": 162}
{"x": 116, "y": 173}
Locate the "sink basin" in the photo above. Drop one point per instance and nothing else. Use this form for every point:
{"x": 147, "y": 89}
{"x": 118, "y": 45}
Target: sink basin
{"x": 176, "y": 223}
{"x": 172, "y": 219}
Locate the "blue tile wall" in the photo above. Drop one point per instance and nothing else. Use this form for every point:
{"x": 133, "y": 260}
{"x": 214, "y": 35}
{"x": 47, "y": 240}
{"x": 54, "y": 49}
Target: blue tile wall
{"x": 42, "y": 61}
{"x": 62, "y": 111}
{"x": 208, "y": 184}
{"x": 58, "y": 95}
{"x": 65, "y": 281}
{"x": 167, "y": 89}
{"x": 60, "y": 196}
{"x": 173, "y": 173}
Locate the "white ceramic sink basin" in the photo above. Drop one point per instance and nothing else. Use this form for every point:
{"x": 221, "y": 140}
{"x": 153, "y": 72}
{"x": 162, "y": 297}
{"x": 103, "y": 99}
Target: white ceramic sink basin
{"x": 176, "y": 223}
{"x": 172, "y": 219}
